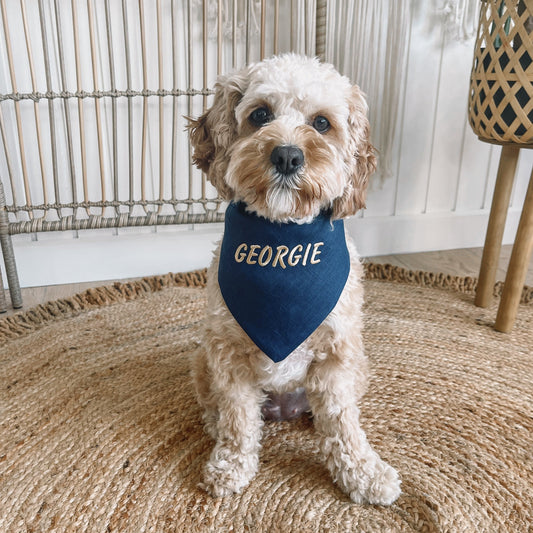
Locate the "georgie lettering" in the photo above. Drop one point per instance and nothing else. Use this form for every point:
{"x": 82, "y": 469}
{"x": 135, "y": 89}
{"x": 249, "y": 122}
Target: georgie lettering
{"x": 281, "y": 255}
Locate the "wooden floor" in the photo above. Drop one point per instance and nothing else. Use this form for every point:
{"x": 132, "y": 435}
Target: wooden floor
{"x": 456, "y": 262}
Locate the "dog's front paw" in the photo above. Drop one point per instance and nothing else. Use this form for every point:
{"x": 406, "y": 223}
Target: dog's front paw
{"x": 228, "y": 475}
{"x": 383, "y": 487}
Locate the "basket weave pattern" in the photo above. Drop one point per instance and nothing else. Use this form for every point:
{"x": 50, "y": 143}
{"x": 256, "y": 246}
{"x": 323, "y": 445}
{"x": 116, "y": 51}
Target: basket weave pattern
{"x": 501, "y": 85}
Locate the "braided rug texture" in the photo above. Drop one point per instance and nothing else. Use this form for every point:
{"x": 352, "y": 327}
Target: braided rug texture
{"x": 100, "y": 430}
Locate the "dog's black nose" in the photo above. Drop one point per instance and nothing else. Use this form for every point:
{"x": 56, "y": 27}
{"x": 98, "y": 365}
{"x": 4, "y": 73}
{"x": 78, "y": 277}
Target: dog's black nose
{"x": 287, "y": 159}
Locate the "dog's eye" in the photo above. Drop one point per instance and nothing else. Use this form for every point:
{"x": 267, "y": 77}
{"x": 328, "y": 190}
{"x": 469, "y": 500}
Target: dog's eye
{"x": 260, "y": 116}
{"x": 321, "y": 124}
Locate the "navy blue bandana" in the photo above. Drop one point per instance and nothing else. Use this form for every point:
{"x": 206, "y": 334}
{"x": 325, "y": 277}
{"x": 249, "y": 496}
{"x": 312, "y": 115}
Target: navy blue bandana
{"x": 280, "y": 281}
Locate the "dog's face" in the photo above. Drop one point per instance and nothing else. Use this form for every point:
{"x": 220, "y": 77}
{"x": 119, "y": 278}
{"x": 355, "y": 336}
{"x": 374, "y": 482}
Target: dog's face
{"x": 288, "y": 136}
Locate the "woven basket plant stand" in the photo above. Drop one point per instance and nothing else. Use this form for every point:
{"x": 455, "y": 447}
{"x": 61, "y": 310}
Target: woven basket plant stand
{"x": 500, "y": 111}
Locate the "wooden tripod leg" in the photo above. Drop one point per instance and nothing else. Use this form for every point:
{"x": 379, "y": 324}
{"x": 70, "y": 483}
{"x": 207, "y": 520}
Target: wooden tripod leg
{"x": 516, "y": 273}
{"x": 498, "y": 214}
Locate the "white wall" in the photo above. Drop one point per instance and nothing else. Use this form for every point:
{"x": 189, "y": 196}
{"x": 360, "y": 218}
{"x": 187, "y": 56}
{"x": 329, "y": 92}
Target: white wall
{"x": 441, "y": 191}
{"x": 438, "y": 198}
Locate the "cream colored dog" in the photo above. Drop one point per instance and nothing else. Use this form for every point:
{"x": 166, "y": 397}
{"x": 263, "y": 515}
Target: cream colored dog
{"x": 288, "y": 138}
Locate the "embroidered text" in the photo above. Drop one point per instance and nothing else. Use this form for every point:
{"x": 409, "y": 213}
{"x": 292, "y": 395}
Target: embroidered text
{"x": 280, "y": 255}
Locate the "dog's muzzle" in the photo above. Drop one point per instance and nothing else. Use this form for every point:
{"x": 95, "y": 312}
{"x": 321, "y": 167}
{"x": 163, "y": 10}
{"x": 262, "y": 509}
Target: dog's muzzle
{"x": 287, "y": 159}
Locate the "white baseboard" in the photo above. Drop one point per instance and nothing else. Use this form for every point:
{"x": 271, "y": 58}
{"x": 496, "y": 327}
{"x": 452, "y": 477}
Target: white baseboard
{"x": 425, "y": 233}
{"x": 103, "y": 256}
{"x": 95, "y": 255}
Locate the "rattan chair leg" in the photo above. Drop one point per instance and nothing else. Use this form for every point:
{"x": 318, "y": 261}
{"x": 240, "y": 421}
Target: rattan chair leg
{"x": 9, "y": 256}
{"x": 3, "y": 304}
{"x": 498, "y": 215}
{"x": 518, "y": 265}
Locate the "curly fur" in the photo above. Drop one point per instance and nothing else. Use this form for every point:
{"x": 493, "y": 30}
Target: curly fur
{"x": 230, "y": 373}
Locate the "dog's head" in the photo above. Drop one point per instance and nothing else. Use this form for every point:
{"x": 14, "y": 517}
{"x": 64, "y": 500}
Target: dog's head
{"x": 288, "y": 136}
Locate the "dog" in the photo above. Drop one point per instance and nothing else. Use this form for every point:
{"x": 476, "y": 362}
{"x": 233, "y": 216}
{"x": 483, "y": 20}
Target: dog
{"x": 286, "y": 143}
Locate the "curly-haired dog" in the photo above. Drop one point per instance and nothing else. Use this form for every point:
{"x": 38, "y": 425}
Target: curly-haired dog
{"x": 286, "y": 141}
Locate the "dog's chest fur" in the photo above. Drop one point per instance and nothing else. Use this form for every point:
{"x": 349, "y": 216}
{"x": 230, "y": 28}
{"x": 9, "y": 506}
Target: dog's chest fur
{"x": 287, "y": 373}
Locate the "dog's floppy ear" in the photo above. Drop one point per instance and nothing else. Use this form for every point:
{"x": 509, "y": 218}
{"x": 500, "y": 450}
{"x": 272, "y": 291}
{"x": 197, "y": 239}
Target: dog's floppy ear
{"x": 213, "y": 133}
{"x": 362, "y": 158}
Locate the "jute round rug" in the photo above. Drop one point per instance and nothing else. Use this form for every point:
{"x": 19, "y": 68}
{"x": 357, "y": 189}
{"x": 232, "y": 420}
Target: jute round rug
{"x": 100, "y": 431}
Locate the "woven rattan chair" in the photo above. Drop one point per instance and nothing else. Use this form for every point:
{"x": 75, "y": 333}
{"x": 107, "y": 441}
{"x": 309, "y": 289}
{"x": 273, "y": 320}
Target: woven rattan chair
{"x": 501, "y": 112}
{"x": 92, "y": 113}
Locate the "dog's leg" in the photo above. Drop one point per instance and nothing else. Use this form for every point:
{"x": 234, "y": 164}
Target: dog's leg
{"x": 354, "y": 465}
{"x": 202, "y": 383}
{"x": 235, "y": 457}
